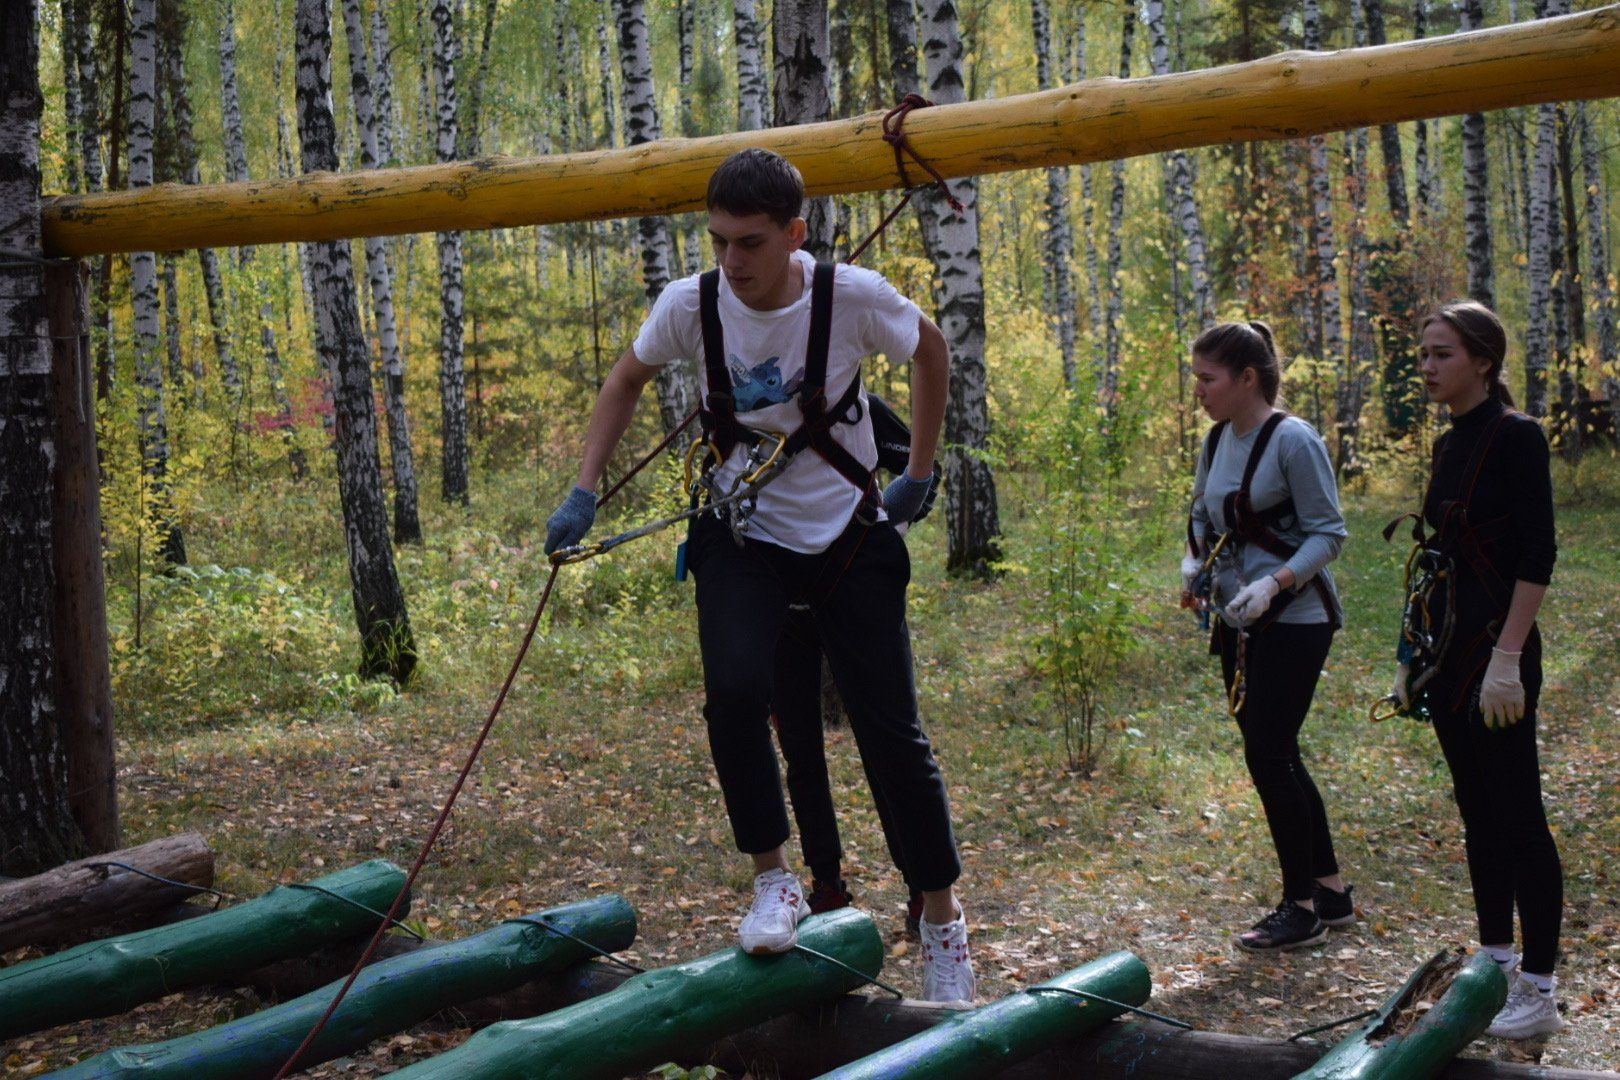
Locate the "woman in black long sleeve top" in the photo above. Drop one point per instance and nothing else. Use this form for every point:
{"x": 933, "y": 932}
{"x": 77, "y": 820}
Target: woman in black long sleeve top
{"x": 1490, "y": 502}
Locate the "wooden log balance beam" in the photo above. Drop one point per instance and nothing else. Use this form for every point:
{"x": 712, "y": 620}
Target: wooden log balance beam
{"x": 1286, "y": 96}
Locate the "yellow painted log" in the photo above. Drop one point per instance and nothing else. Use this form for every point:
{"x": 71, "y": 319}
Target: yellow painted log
{"x": 1286, "y": 96}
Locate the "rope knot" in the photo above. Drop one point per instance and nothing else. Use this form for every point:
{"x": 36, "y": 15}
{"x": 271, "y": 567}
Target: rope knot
{"x": 894, "y": 134}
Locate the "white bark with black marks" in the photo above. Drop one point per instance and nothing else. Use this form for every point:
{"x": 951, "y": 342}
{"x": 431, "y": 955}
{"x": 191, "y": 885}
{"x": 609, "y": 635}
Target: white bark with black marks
{"x": 1597, "y": 241}
{"x": 380, "y": 278}
{"x": 1355, "y": 378}
{"x": 1109, "y": 389}
{"x": 1328, "y": 317}
{"x": 1059, "y": 236}
{"x": 387, "y": 647}
{"x": 470, "y": 130}
{"x": 677, "y": 388}
{"x": 1427, "y": 180}
{"x": 452, "y": 360}
{"x": 971, "y": 510}
{"x": 686, "y": 27}
{"x": 1182, "y": 199}
{"x": 87, "y": 126}
{"x": 1477, "y": 187}
{"x": 154, "y": 423}
{"x": 383, "y": 88}
{"x": 752, "y": 93}
{"x": 1538, "y": 329}
{"x": 38, "y": 829}
{"x": 802, "y": 81}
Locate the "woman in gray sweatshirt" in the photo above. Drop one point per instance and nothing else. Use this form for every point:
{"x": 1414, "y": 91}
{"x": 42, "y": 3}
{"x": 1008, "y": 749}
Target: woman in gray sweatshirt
{"x": 1264, "y": 500}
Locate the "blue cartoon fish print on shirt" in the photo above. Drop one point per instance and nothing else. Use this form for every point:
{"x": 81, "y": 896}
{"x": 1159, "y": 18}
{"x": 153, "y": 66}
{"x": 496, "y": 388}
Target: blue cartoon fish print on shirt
{"x": 761, "y": 385}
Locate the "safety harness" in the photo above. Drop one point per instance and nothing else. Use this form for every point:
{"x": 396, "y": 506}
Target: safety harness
{"x": 725, "y": 432}
{"x": 1246, "y": 525}
{"x": 1427, "y": 639}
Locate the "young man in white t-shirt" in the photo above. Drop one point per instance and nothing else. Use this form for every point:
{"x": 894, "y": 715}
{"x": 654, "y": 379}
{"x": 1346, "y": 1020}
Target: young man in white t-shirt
{"x": 814, "y": 537}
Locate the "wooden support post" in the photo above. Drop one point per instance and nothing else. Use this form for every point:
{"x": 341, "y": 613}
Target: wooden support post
{"x": 83, "y": 677}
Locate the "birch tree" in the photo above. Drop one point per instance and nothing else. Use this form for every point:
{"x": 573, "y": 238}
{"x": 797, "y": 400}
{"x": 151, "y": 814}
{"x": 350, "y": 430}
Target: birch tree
{"x": 236, "y": 170}
{"x": 452, "y": 362}
{"x": 1059, "y": 236}
{"x": 1116, "y": 226}
{"x": 1537, "y": 335}
{"x": 1597, "y": 248}
{"x": 691, "y": 231}
{"x": 1178, "y": 179}
{"x": 173, "y": 34}
{"x": 39, "y": 831}
{"x": 379, "y": 274}
{"x": 971, "y": 511}
{"x": 751, "y": 88}
{"x": 802, "y": 80}
{"x": 387, "y": 647}
{"x": 1329, "y": 318}
{"x": 154, "y": 424}
{"x": 677, "y": 388}
{"x": 1427, "y": 192}
{"x": 1099, "y": 347}
{"x": 1389, "y": 135}
{"x": 1476, "y": 187}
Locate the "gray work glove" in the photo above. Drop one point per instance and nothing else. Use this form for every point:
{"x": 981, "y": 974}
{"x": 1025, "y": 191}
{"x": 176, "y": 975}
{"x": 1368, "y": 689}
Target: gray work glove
{"x": 1252, "y": 602}
{"x": 1191, "y": 567}
{"x": 572, "y": 521}
{"x": 1501, "y": 695}
{"x": 904, "y": 498}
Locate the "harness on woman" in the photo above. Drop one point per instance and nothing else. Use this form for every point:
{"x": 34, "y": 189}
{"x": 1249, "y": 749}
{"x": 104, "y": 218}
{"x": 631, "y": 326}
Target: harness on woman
{"x": 1428, "y": 639}
{"x": 1247, "y": 525}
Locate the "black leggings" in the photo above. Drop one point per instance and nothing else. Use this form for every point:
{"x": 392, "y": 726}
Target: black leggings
{"x": 1284, "y": 662}
{"x": 1512, "y": 859}
{"x": 858, "y": 591}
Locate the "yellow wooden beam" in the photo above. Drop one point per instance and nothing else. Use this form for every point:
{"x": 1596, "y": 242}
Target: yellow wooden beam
{"x": 1286, "y": 96}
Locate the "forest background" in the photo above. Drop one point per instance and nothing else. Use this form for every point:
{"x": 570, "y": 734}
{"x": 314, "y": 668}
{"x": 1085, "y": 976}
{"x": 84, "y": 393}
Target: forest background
{"x": 1100, "y": 792}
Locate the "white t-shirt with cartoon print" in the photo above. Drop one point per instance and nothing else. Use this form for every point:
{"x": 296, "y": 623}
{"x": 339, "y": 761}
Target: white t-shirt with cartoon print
{"x": 807, "y": 507}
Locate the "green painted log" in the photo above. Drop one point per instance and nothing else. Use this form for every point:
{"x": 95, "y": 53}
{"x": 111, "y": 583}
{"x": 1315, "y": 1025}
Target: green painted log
{"x": 387, "y": 997}
{"x": 102, "y": 978}
{"x": 987, "y": 1040}
{"x": 1392, "y": 1046}
{"x": 652, "y": 1016}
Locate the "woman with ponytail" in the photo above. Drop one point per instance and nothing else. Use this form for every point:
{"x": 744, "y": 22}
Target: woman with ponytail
{"x": 1265, "y": 523}
{"x": 1489, "y": 504}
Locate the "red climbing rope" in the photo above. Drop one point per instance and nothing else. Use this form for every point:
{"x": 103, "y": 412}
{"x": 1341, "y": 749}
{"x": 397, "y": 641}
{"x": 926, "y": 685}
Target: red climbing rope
{"x": 894, "y": 134}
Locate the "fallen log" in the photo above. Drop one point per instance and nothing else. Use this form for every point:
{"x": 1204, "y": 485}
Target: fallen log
{"x": 102, "y": 978}
{"x": 59, "y": 904}
{"x": 642, "y": 1022}
{"x": 811, "y": 1042}
{"x": 387, "y": 997}
{"x": 1286, "y": 96}
{"x": 1442, "y": 1008}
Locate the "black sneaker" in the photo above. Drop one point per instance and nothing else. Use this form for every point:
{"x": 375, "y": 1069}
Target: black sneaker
{"x": 828, "y": 896}
{"x": 1334, "y": 908}
{"x": 1288, "y": 927}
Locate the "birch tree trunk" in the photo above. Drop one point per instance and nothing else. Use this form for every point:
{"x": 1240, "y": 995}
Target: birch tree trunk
{"x": 471, "y": 132}
{"x": 1426, "y": 193}
{"x": 72, "y": 108}
{"x": 1116, "y": 226}
{"x": 1178, "y": 171}
{"x": 387, "y": 647}
{"x": 1476, "y": 187}
{"x": 39, "y": 830}
{"x": 154, "y": 422}
{"x": 1329, "y": 316}
{"x": 803, "y": 83}
{"x": 1059, "y": 236}
{"x": 452, "y": 364}
{"x": 236, "y": 169}
{"x": 87, "y": 124}
{"x": 174, "y": 79}
{"x": 751, "y": 89}
{"x": 677, "y": 388}
{"x": 407, "y": 522}
{"x": 1597, "y": 247}
{"x": 1537, "y": 335}
{"x": 1099, "y": 348}
{"x": 972, "y": 516}
{"x": 1389, "y": 135}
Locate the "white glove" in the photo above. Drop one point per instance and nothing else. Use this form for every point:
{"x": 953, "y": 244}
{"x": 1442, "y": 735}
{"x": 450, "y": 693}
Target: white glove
{"x": 1252, "y": 602}
{"x": 1501, "y": 695}
{"x": 1190, "y": 566}
{"x": 1402, "y": 691}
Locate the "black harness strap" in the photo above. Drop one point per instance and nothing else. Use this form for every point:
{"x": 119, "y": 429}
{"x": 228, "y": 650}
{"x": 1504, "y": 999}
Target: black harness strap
{"x": 720, "y": 416}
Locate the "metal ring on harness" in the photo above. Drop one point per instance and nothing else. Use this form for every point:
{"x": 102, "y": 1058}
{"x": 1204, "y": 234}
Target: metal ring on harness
{"x": 1239, "y": 694}
{"x": 1386, "y": 708}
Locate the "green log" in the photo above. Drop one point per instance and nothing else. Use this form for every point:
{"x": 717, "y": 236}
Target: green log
{"x": 987, "y": 1040}
{"x": 387, "y": 997}
{"x": 655, "y": 1015}
{"x": 102, "y": 978}
{"x": 1395, "y": 1046}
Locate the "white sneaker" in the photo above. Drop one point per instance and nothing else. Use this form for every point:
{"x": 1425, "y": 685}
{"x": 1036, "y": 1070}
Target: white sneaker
{"x": 947, "y": 971}
{"x": 1528, "y": 1012}
{"x": 772, "y": 922}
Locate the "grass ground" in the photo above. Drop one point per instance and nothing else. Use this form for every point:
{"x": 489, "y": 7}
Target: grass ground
{"x": 597, "y": 777}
